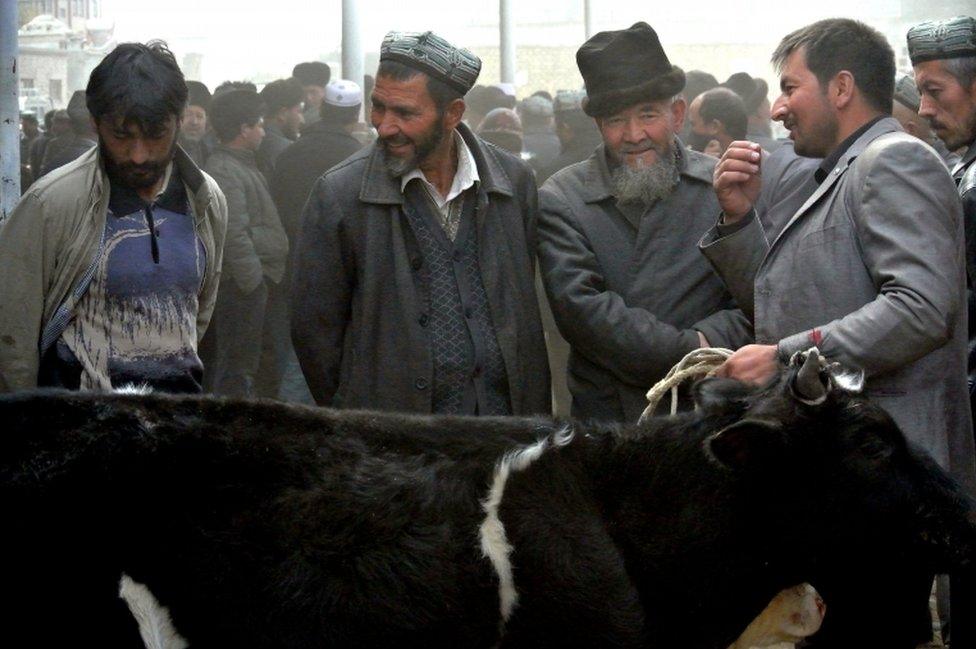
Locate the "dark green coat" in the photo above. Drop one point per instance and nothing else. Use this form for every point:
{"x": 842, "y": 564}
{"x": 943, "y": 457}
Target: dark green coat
{"x": 358, "y": 321}
{"x": 256, "y": 245}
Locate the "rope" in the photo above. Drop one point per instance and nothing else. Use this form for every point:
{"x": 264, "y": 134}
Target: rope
{"x": 698, "y": 363}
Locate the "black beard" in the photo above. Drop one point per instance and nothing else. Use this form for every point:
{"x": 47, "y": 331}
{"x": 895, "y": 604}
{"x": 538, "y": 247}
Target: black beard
{"x": 136, "y": 176}
{"x": 423, "y": 147}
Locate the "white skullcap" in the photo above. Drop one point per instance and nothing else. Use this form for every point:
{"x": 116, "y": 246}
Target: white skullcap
{"x": 343, "y": 93}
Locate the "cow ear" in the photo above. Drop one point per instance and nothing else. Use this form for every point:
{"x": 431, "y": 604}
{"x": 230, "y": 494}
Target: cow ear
{"x": 748, "y": 444}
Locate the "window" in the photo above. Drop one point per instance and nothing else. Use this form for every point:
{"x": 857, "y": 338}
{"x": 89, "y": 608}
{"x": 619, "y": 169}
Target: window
{"x": 55, "y": 91}
{"x": 26, "y": 83}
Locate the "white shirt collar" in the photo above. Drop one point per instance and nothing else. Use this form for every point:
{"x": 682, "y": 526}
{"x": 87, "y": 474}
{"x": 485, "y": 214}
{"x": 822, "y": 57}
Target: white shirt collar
{"x": 464, "y": 178}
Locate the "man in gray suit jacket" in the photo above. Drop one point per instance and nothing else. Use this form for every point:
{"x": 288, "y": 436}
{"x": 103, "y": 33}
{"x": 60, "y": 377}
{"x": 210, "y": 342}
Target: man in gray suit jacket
{"x": 870, "y": 269}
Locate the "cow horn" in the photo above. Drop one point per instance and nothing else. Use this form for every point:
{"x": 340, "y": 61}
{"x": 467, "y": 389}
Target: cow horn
{"x": 808, "y": 386}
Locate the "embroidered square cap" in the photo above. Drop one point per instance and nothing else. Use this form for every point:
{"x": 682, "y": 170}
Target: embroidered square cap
{"x": 942, "y": 39}
{"x": 434, "y": 56}
{"x": 906, "y": 92}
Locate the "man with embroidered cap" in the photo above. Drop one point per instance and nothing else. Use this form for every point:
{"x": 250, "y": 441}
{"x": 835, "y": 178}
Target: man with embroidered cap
{"x": 617, "y": 234}
{"x": 870, "y": 269}
{"x": 413, "y": 287}
{"x": 943, "y": 55}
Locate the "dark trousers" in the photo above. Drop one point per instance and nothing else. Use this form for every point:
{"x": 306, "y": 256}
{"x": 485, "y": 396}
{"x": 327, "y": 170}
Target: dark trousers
{"x": 239, "y": 325}
{"x": 275, "y": 342}
{"x": 960, "y": 629}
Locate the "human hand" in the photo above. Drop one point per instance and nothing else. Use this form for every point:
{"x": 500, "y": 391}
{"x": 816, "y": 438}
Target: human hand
{"x": 738, "y": 179}
{"x": 750, "y": 364}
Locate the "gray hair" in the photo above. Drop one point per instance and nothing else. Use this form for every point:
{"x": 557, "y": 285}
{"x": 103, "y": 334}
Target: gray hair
{"x": 963, "y": 69}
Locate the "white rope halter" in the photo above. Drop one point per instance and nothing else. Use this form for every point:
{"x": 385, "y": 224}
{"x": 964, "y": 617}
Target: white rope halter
{"x": 696, "y": 364}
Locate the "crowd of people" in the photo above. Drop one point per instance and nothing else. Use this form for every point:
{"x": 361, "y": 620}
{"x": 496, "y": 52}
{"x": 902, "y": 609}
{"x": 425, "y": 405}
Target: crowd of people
{"x": 462, "y": 252}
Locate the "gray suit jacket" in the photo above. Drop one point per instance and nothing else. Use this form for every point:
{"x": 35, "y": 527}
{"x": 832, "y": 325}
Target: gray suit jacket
{"x": 871, "y": 269}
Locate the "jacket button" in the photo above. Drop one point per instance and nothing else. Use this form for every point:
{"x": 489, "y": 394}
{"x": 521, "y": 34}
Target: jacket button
{"x": 420, "y": 384}
{"x": 416, "y": 263}
{"x": 423, "y": 320}
{"x": 477, "y": 371}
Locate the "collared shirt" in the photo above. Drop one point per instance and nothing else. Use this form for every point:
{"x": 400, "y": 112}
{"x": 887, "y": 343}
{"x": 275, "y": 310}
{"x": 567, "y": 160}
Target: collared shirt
{"x": 448, "y": 207}
{"x": 831, "y": 161}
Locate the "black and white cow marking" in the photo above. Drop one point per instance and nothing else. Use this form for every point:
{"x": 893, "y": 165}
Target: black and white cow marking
{"x": 260, "y": 525}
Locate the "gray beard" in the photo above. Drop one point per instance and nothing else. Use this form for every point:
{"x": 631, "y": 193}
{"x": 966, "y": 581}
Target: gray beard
{"x": 398, "y": 167}
{"x": 646, "y": 185}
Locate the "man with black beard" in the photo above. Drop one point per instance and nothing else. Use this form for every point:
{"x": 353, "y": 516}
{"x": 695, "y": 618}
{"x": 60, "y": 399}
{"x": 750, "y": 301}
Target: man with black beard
{"x": 618, "y": 234}
{"x": 111, "y": 262}
{"x": 870, "y": 269}
{"x": 413, "y": 283}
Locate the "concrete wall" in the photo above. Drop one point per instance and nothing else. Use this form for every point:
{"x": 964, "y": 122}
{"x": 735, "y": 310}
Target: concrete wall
{"x": 70, "y": 67}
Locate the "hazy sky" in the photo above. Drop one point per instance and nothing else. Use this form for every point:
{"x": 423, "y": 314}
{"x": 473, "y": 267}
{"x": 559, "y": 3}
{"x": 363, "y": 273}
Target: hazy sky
{"x": 238, "y": 42}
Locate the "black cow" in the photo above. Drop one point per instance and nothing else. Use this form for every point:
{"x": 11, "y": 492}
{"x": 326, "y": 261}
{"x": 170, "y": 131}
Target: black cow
{"x": 266, "y": 525}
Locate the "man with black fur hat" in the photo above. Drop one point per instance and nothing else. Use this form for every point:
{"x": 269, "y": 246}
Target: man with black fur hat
{"x": 314, "y": 77}
{"x": 618, "y": 233}
{"x": 193, "y": 130}
{"x": 413, "y": 286}
{"x": 282, "y": 121}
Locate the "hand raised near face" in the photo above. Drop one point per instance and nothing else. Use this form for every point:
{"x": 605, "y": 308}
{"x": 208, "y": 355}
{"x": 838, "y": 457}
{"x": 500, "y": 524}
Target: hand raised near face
{"x": 738, "y": 179}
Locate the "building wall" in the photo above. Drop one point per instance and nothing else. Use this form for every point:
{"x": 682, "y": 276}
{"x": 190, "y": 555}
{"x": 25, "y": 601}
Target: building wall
{"x": 68, "y": 69}
{"x": 72, "y": 12}
{"x": 39, "y": 67}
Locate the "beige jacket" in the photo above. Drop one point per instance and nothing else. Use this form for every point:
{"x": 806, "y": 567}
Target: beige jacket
{"x": 50, "y": 240}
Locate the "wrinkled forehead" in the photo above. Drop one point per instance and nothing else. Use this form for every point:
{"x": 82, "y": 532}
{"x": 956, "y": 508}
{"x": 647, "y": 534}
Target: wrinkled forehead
{"x": 935, "y": 72}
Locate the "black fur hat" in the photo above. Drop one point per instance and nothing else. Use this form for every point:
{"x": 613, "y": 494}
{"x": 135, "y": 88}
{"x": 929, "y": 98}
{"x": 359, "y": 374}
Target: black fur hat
{"x": 198, "y": 94}
{"x": 312, "y": 73}
{"x": 623, "y": 67}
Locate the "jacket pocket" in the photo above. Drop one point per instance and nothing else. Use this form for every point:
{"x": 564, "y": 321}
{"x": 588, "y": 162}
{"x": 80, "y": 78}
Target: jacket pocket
{"x": 820, "y": 238}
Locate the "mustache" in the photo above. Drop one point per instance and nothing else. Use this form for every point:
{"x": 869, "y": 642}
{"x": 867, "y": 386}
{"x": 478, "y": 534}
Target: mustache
{"x": 639, "y": 147}
{"x": 144, "y": 167}
{"x": 395, "y": 140}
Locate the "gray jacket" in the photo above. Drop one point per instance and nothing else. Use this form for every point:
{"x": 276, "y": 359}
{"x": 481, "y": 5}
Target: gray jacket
{"x": 256, "y": 244}
{"x": 871, "y": 269}
{"x": 358, "y": 310}
{"x": 50, "y": 241}
{"x": 628, "y": 289}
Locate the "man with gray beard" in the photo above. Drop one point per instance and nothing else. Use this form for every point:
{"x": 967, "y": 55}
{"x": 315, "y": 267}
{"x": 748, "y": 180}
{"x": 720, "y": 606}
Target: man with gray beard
{"x": 413, "y": 284}
{"x": 617, "y": 234}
